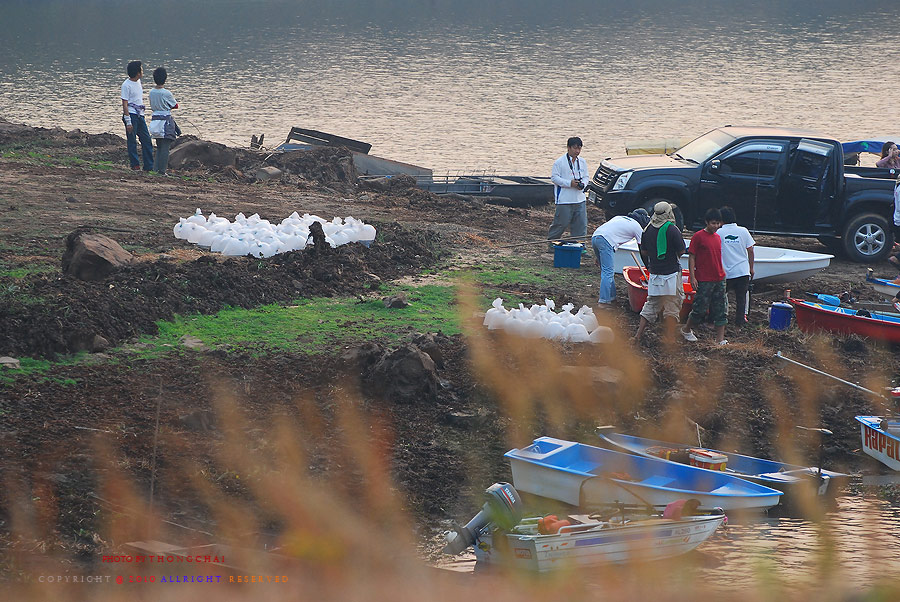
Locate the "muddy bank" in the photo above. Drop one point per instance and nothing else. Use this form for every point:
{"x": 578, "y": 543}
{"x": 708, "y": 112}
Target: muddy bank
{"x": 51, "y": 431}
{"x": 440, "y": 421}
{"x": 51, "y": 314}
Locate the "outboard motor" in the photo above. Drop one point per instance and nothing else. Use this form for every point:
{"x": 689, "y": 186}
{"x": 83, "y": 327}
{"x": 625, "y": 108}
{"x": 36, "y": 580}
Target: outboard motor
{"x": 503, "y": 508}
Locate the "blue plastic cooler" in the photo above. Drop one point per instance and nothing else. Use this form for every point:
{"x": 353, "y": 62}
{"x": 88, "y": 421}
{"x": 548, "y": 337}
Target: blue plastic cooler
{"x": 780, "y": 316}
{"x": 567, "y": 255}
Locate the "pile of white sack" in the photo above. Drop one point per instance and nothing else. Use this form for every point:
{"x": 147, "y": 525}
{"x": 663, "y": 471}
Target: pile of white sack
{"x": 260, "y": 238}
{"x": 540, "y": 321}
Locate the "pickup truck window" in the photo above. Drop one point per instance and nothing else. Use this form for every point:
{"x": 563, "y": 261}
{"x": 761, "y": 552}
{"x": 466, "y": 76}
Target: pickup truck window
{"x": 751, "y": 164}
{"x": 809, "y": 166}
{"x": 704, "y": 147}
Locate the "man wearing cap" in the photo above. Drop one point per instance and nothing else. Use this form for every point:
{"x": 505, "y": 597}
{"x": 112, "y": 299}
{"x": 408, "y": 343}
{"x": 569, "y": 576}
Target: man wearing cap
{"x": 570, "y": 177}
{"x": 607, "y": 238}
{"x": 661, "y": 247}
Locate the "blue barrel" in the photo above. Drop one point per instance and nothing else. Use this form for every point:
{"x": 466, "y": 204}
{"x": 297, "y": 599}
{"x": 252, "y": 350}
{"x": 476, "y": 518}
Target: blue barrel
{"x": 780, "y": 316}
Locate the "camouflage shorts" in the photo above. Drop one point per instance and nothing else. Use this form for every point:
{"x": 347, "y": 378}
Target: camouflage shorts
{"x": 710, "y": 296}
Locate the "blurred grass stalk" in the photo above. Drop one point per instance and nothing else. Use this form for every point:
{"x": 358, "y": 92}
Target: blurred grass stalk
{"x": 347, "y": 535}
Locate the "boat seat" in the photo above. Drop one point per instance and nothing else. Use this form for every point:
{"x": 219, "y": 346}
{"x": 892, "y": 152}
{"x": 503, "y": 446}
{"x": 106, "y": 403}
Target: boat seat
{"x": 657, "y": 480}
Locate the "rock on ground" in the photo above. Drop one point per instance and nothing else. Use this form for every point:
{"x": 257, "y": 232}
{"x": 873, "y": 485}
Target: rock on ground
{"x": 91, "y": 256}
{"x": 268, "y": 173}
{"x": 396, "y": 301}
{"x": 9, "y": 362}
{"x": 201, "y": 153}
{"x": 407, "y": 373}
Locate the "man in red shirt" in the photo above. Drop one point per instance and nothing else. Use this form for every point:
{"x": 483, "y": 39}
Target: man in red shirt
{"x": 707, "y": 279}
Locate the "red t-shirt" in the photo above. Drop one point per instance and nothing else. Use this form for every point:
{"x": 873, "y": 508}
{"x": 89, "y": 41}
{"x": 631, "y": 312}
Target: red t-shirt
{"x": 707, "y": 251}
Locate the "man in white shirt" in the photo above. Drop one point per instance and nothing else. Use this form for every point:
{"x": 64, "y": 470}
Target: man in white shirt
{"x": 737, "y": 259}
{"x": 133, "y": 118}
{"x": 894, "y": 259}
{"x": 607, "y": 238}
{"x": 570, "y": 177}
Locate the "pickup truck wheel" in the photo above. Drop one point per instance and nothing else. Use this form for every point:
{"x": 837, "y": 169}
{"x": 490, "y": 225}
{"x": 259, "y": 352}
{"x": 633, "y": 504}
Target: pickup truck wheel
{"x": 867, "y": 238}
{"x": 679, "y": 216}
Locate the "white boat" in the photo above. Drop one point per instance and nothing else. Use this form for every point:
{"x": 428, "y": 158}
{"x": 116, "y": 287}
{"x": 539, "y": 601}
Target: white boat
{"x": 594, "y": 543}
{"x": 881, "y": 439}
{"x": 771, "y": 265}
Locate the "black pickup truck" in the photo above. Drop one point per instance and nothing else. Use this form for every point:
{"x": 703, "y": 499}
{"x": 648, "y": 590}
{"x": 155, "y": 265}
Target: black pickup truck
{"x": 779, "y": 181}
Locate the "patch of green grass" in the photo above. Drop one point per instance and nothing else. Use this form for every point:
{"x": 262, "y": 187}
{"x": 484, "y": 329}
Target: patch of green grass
{"x": 313, "y": 325}
{"x": 137, "y": 249}
{"x": 40, "y": 369}
{"x": 320, "y": 324}
{"x": 11, "y": 293}
{"x": 20, "y": 272}
{"x": 22, "y": 153}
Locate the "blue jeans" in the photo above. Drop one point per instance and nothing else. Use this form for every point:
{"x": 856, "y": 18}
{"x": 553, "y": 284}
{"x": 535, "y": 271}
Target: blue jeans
{"x": 162, "y": 154}
{"x": 139, "y": 130}
{"x": 605, "y": 257}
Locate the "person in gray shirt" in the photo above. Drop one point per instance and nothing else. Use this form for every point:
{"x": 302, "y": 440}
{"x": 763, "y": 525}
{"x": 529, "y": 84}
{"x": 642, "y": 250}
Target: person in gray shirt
{"x": 162, "y": 124}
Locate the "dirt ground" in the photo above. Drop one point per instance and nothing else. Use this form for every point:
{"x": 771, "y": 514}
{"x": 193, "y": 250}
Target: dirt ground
{"x": 448, "y": 427}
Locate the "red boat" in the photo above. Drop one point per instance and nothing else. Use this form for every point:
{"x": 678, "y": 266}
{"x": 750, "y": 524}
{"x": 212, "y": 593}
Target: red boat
{"x": 636, "y": 279}
{"x": 813, "y": 317}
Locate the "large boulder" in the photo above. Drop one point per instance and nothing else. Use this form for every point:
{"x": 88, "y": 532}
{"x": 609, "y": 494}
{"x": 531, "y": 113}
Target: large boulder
{"x": 92, "y": 256}
{"x": 407, "y": 374}
{"x": 193, "y": 154}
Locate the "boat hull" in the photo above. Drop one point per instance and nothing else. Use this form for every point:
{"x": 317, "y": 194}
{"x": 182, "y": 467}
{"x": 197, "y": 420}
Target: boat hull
{"x": 772, "y": 265}
{"x": 793, "y": 480}
{"x": 653, "y": 539}
{"x": 510, "y": 191}
{"x": 588, "y": 476}
{"x": 817, "y": 317}
{"x": 881, "y": 439}
{"x": 883, "y": 286}
{"x": 637, "y": 290}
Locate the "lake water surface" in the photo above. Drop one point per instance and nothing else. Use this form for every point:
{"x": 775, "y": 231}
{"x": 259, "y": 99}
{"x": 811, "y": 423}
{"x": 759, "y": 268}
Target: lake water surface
{"x": 460, "y": 85}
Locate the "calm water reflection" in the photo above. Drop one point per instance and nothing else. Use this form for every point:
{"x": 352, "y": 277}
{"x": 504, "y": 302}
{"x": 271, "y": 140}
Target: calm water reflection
{"x": 855, "y": 545}
{"x": 460, "y": 84}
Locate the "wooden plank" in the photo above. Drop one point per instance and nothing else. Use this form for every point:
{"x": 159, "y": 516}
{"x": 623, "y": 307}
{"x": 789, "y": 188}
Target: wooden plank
{"x": 326, "y": 139}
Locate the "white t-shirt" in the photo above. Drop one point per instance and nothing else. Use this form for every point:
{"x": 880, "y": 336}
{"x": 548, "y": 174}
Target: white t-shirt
{"x": 619, "y": 230}
{"x": 735, "y": 242}
{"x": 133, "y": 92}
{"x": 565, "y": 169}
{"x": 897, "y": 203}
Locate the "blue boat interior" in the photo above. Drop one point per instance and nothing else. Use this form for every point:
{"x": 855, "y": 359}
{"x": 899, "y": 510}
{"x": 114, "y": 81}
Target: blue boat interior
{"x": 883, "y": 281}
{"x": 853, "y": 313}
{"x": 588, "y": 461}
{"x": 747, "y": 465}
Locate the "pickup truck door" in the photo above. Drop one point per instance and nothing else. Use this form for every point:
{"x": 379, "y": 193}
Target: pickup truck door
{"x": 745, "y": 177}
{"x": 807, "y": 187}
